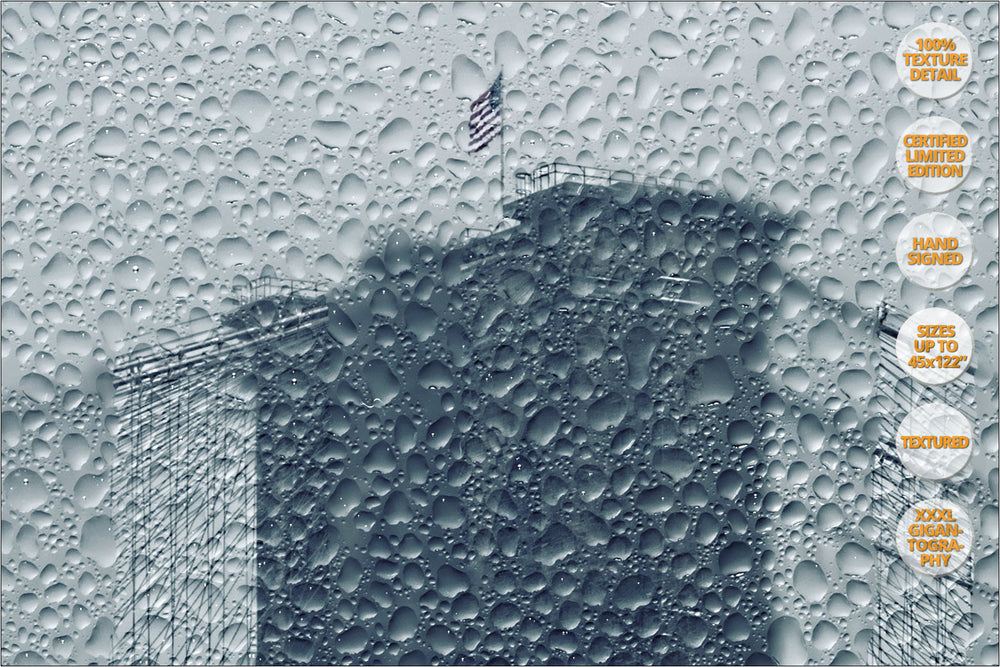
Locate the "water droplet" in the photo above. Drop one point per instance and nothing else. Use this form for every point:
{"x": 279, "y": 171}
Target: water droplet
{"x": 24, "y": 490}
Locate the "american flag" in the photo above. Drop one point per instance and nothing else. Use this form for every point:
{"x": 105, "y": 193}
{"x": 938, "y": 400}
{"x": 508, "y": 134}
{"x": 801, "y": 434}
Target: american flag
{"x": 485, "y": 121}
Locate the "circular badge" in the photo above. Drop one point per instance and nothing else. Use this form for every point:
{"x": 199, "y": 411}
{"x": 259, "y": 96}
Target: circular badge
{"x": 934, "y": 441}
{"x": 934, "y": 537}
{"x": 934, "y": 346}
{"x": 934, "y": 250}
{"x": 934, "y": 154}
{"x": 934, "y": 60}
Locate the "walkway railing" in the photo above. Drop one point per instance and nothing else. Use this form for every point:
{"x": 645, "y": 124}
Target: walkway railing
{"x": 198, "y": 339}
{"x": 549, "y": 175}
{"x": 267, "y": 286}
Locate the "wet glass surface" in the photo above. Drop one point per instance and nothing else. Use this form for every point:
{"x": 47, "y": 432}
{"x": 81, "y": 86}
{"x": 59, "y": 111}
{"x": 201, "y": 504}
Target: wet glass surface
{"x": 288, "y": 378}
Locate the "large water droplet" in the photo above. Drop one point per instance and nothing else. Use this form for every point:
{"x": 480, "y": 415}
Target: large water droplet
{"x": 24, "y": 490}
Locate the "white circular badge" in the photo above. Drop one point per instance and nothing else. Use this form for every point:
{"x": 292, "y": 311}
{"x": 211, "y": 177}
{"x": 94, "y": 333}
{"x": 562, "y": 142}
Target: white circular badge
{"x": 934, "y": 346}
{"x": 934, "y": 60}
{"x": 934, "y": 536}
{"x": 934, "y": 154}
{"x": 934, "y": 250}
{"x": 934, "y": 441}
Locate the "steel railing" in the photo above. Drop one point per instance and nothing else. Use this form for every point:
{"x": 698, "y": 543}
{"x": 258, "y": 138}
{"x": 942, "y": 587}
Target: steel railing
{"x": 201, "y": 334}
{"x": 268, "y": 286}
{"x": 549, "y": 175}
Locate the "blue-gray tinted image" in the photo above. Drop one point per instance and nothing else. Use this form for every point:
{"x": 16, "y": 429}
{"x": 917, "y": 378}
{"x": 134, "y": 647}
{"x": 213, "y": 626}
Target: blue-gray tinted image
{"x": 478, "y": 333}
{"x": 516, "y": 451}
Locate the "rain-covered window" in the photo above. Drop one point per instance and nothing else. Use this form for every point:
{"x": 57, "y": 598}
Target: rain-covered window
{"x": 483, "y": 333}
